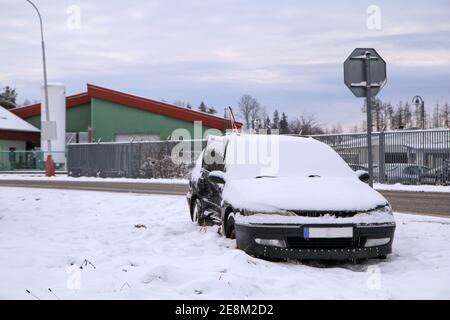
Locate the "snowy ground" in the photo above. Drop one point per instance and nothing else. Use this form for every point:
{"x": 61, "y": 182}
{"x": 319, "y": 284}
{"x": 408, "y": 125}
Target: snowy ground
{"x": 63, "y": 177}
{"x": 411, "y": 188}
{"x": 44, "y": 232}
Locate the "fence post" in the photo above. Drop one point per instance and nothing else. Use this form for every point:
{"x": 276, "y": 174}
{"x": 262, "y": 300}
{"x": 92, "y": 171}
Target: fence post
{"x": 381, "y": 157}
{"x": 130, "y": 159}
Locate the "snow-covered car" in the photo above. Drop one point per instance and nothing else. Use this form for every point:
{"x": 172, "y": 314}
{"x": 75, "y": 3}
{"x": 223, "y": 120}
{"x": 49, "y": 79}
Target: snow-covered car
{"x": 405, "y": 173}
{"x": 288, "y": 197}
{"x": 439, "y": 175}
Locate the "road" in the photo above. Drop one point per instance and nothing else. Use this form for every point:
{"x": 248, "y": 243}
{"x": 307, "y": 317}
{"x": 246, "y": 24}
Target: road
{"x": 114, "y": 186}
{"x": 426, "y": 203}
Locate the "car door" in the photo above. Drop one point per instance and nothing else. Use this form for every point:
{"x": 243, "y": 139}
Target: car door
{"x": 412, "y": 173}
{"x": 211, "y": 193}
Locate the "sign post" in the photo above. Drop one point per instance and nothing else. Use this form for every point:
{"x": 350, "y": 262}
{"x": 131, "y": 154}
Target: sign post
{"x": 365, "y": 76}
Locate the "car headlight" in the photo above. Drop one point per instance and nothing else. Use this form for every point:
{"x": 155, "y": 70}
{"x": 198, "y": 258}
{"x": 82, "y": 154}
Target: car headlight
{"x": 280, "y": 213}
{"x": 384, "y": 209}
{"x": 376, "y": 242}
{"x": 271, "y": 242}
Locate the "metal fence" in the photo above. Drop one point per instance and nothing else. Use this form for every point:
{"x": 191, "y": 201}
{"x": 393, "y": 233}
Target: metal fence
{"x": 19, "y": 160}
{"x": 407, "y": 156}
{"x": 151, "y": 159}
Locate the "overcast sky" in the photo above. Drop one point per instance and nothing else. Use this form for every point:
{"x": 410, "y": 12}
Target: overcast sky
{"x": 287, "y": 54}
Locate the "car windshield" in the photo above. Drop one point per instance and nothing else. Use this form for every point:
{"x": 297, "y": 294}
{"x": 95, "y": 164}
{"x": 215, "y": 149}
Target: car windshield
{"x": 269, "y": 156}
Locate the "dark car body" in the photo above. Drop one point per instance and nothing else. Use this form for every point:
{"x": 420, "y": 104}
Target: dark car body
{"x": 291, "y": 230}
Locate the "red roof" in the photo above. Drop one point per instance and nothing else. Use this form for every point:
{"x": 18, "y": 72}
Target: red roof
{"x": 19, "y": 135}
{"x": 132, "y": 101}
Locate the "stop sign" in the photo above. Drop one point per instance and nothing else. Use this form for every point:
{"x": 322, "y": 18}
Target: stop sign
{"x": 355, "y": 72}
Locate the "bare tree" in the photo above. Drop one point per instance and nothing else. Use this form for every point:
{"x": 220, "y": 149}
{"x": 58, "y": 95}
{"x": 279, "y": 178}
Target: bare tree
{"x": 306, "y": 125}
{"x": 376, "y": 114}
{"x": 403, "y": 116}
{"x": 446, "y": 115}
{"x": 264, "y": 116}
{"x": 336, "y": 128}
{"x": 249, "y": 109}
{"x": 180, "y": 103}
{"x": 407, "y": 115}
{"x": 354, "y": 129}
{"x": 436, "y": 120}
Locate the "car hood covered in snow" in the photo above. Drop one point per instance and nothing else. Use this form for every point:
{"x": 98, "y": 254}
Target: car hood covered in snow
{"x": 296, "y": 193}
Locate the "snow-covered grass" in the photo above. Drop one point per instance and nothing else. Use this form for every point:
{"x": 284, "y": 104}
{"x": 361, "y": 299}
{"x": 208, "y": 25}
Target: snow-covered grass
{"x": 43, "y": 232}
{"x": 63, "y": 177}
{"x": 411, "y": 188}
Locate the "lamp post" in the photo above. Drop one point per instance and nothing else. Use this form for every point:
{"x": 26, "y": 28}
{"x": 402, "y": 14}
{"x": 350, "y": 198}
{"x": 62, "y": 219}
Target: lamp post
{"x": 256, "y": 123}
{"x": 49, "y": 163}
{"x": 47, "y": 116}
{"x": 418, "y": 101}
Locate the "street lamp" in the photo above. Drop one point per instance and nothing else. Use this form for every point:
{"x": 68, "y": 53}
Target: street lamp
{"x": 47, "y": 114}
{"x": 256, "y": 123}
{"x": 418, "y": 101}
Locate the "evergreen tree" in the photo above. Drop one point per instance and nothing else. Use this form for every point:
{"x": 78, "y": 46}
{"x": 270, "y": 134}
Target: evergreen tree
{"x": 284, "y": 125}
{"x": 8, "y": 98}
{"x": 202, "y": 107}
{"x": 267, "y": 123}
{"x": 276, "y": 120}
{"x": 211, "y": 110}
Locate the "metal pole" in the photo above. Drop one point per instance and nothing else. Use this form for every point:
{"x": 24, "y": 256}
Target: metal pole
{"x": 47, "y": 115}
{"x": 381, "y": 157}
{"x": 422, "y": 111}
{"x": 369, "y": 118}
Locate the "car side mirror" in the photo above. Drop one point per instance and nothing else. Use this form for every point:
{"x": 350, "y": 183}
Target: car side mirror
{"x": 362, "y": 175}
{"x": 217, "y": 177}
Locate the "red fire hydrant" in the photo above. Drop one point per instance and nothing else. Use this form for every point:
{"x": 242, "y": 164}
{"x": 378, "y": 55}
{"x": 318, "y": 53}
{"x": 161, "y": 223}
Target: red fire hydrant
{"x": 49, "y": 166}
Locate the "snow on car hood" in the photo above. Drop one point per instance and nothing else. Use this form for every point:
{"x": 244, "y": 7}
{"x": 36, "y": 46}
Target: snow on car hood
{"x": 297, "y": 193}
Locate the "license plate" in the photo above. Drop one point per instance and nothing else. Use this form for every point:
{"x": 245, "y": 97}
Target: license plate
{"x": 323, "y": 232}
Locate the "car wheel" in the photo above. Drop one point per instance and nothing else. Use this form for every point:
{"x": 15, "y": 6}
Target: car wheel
{"x": 230, "y": 231}
{"x": 197, "y": 213}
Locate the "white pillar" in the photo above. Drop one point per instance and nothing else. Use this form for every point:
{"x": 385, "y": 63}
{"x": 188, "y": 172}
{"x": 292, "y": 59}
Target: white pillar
{"x": 56, "y": 129}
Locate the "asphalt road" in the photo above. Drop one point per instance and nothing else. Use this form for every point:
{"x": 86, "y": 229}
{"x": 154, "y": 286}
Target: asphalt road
{"x": 114, "y": 186}
{"x": 426, "y": 203}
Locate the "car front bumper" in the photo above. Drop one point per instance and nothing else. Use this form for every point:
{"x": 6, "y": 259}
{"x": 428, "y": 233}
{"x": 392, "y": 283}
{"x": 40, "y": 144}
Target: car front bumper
{"x": 297, "y": 247}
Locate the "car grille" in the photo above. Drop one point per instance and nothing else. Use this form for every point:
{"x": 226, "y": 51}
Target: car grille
{"x": 339, "y": 214}
{"x": 336, "y": 243}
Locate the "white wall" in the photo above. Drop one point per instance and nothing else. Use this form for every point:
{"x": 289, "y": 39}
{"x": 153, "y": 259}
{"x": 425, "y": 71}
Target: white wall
{"x": 6, "y": 144}
{"x": 57, "y": 110}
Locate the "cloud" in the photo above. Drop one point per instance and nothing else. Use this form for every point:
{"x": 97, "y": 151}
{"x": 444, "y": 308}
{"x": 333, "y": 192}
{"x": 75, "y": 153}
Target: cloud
{"x": 288, "y": 54}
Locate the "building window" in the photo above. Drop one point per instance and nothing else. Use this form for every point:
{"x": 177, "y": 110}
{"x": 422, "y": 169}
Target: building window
{"x": 396, "y": 157}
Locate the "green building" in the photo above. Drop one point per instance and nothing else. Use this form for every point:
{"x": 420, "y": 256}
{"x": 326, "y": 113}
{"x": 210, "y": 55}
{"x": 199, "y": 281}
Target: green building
{"x": 107, "y": 115}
